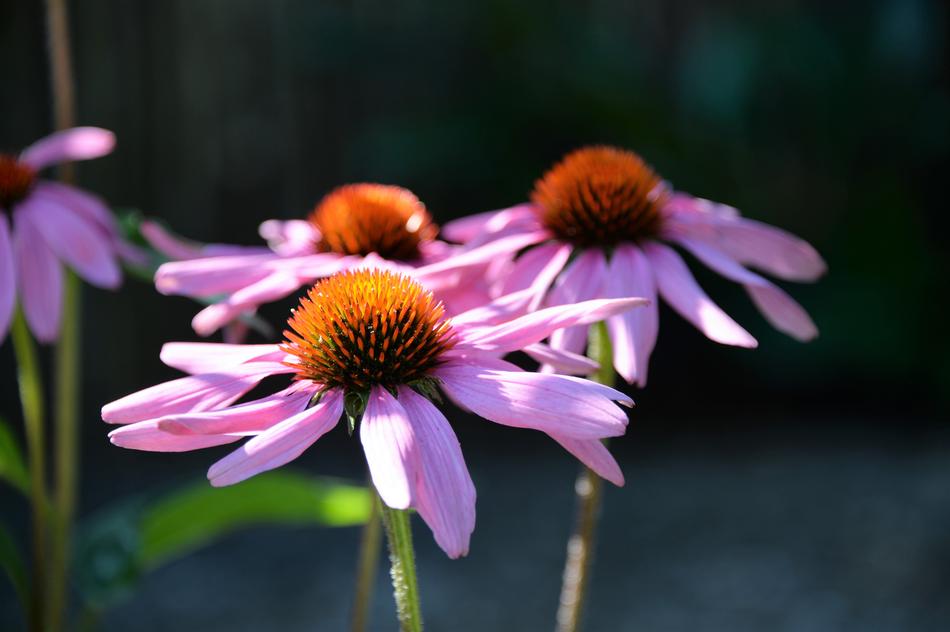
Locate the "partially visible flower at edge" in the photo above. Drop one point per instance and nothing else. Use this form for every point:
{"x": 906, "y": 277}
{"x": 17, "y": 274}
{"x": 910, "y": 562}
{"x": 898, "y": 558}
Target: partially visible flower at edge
{"x": 374, "y": 345}
{"x": 43, "y": 223}
{"x": 599, "y": 219}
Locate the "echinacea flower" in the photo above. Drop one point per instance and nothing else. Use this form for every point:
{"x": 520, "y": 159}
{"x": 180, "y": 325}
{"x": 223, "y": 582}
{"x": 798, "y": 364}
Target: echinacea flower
{"x": 354, "y": 225}
{"x": 603, "y": 221}
{"x": 43, "y": 223}
{"x": 375, "y": 346}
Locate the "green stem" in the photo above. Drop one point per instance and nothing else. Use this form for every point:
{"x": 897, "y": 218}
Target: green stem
{"x": 403, "y": 573}
{"x": 67, "y": 404}
{"x": 589, "y": 497}
{"x": 31, "y": 400}
{"x": 370, "y": 545}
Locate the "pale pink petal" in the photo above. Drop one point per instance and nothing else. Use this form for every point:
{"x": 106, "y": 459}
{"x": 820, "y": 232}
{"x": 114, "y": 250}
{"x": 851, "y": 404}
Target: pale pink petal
{"x": 146, "y": 435}
{"x": 87, "y": 205}
{"x": 252, "y": 417}
{"x": 537, "y": 269}
{"x": 678, "y": 288}
{"x": 271, "y": 288}
{"x": 778, "y": 307}
{"x": 633, "y": 333}
{"x": 468, "y": 228}
{"x": 39, "y": 279}
{"x": 279, "y": 444}
{"x": 77, "y": 143}
{"x": 195, "y": 393}
{"x": 208, "y": 357}
{"x": 390, "y": 445}
{"x": 167, "y": 243}
{"x": 80, "y": 244}
{"x": 497, "y": 311}
{"x": 7, "y": 278}
{"x": 582, "y": 280}
{"x": 505, "y": 246}
{"x": 562, "y": 361}
{"x": 292, "y": 237}
{"x": 444, "y": 492}
{"x": 210, "y": 276}
{"x": 595, "y": 455}
{"x": 536, "y": 326}
{"x": 556, "y": 404}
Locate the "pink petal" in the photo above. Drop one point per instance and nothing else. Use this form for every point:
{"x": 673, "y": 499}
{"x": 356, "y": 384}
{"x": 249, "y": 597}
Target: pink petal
{"x": 81, "y": 245}
{"x": 444, "y": 492}
{"x": 530, "y": 328}
{"x": 208, "y": 357}
{"x": 582, "y": 280}
{"x": 390, "y": 444}
{"x": 678, "y": 288}
{"x": 468, "y": 228}
{"x": 252, "y": 417}
{"x": 210, "y": 276}
{"x": 633, "y": 333}
{"x": 195, "y": 393}
{"x": 268, "y": 289}
{"x": 537, "y": 268}
{"x": 279, "y": 444}
{"x": 146, "y": 435}
{"x": 90, "y": 207}
{"x": 78, "y": 143}
{"x": 556, "y": 404}
{"x": 39, "y": 279}
{"x": 499, "y": 310}
{"x": 167, "y": 243}
{"x": 7, "y": 278}
{"x": 595, "y": 455}
{"x": 502, "y": 247}
{"x": 778, "y": 307}
{"x": 562, "y": 361}
{"x": 290, "y": 238}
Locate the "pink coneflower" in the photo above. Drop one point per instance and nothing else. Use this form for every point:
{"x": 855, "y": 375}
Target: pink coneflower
{"x": 375, "y": 345}
{"x": 353, "y": 224}
{"x": 53, "y": 223}
{"x": 601, "y": 217}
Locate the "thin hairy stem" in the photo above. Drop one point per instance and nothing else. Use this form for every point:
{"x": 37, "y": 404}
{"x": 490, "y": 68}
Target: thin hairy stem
{"x": 403, "y": 563}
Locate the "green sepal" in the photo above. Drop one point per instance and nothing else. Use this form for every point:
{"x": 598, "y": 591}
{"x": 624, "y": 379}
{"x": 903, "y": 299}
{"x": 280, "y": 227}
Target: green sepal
{"x": 354, "y": 403}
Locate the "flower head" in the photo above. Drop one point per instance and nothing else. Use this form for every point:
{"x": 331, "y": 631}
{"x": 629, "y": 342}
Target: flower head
{"x": 600, "y": 222}
{"x": 375, "y": 344}
{"x": 43, "y": 223}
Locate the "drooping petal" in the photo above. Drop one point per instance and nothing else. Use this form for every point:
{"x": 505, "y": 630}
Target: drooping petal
{"x": 211, "y": 276}
{"x": 582, "y": 280}
{"x": 504, "y": 246}
{"x": 167, "y": 243}
{"x": 195, "y": 393}
{"x": 470, "y": 227}
{"x": 88, "y": 206}
{"x": 208, "y": 357}
{"x": 778, "y": 307}
{"x": 7, "y": 278}
{"x": 252, "y": 417}
{"x": 444, "y": 492}
{"x": 556, "y": 404}
{"x": 290, "y": 238}
{"x": 390, "y": 445}
{"x": 77, "y": 143}
{"x": 80, "y": 244}
{"x": 39, "y": 279}
{"x": 146, "y": 435}
{"x": 633, "y": 333}
{"x": 279, "y": 444}
{"x": 595, "y": 455}
{"x": 562, "y": 361}
{"x": 270, "y": 288}
{"x": 537, "y": 269}
{"x": 678, "y": 288}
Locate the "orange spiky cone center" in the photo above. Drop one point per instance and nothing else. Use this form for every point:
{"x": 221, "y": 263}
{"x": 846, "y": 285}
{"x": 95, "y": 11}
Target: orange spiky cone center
{"x": 358, "y": 219}
{"x": 16, "y": 180}
{"x": 365, "y": 328}
{"x": 600, "y": 196}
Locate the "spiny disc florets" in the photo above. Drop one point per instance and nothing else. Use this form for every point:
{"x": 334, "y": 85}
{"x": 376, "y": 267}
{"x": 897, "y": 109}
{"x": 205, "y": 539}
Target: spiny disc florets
{"x": 600, "y": 196}
{"x": 357, "y": 219}
{"x": 365, "y": 328}
{"x": 16, "y": 180}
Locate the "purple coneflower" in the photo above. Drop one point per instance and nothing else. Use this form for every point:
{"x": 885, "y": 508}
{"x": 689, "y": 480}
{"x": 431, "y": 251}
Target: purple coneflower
{"x": 601, "y": 221}
{"x": 374, "y": 346}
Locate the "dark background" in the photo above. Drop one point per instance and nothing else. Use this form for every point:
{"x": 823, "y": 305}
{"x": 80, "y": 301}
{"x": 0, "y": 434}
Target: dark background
{"x": 796, "y": 487}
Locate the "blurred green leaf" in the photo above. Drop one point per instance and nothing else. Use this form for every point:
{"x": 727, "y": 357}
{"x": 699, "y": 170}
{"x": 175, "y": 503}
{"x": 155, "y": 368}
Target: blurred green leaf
{"x": 12, "y": 563}
{"x": 191, "y": 518}
{"x": 12, "y": 464}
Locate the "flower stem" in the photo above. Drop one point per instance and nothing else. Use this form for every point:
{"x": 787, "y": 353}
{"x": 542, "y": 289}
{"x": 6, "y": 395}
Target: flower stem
{"x": 31, "y": 399}
{"x": 370, "y": 544}
{"x": 403, "y": 573}
{"x": 589, "y": 496}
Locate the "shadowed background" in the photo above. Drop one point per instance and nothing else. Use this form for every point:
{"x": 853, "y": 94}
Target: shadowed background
{"x": 796, "y": 487}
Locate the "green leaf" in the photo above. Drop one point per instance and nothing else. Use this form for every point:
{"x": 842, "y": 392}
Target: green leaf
{"x": 12, "y": 563}
{"x": 193, "y": 517}
{"x": 12, "y": 464}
